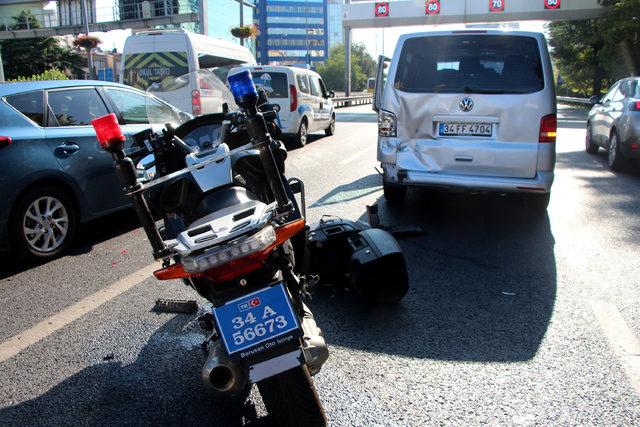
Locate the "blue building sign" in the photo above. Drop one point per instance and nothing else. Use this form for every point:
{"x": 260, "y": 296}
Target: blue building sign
{"x": 292, "y": 32}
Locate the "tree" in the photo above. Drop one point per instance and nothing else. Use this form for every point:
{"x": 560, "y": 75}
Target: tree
{"x": 363, "y": 66}
{"x": 26, "y": 57}
{"x": 592, "y": 54}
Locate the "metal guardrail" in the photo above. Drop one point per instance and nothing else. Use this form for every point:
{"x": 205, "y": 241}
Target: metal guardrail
{"x": 348, "y": 101}
{"x": 574, "y": 101}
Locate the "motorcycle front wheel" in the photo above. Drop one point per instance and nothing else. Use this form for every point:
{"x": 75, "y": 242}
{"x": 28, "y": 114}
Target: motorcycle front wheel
{"x": 291, "y": 399}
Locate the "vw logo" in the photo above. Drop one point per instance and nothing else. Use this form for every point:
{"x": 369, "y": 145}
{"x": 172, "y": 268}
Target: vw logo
{"x": 466, "y": 104}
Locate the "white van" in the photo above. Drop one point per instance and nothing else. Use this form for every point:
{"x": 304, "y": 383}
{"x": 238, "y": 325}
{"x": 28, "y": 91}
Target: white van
{"x": 185, "y": 69}
{"x": 304, "y": 101}
{"x": 471, "y": 110}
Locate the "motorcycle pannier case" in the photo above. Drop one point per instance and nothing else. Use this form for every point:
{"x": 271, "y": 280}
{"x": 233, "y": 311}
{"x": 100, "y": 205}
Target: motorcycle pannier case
{"x": 377, "y": 271}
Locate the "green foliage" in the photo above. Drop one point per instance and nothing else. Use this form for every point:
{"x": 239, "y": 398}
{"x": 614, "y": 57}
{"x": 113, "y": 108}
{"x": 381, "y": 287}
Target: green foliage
{"x": 590, "y": 55}
{"x": 363, "y": 66}
{"x": 27, "y": 57}
{"x": 53, "y": 74}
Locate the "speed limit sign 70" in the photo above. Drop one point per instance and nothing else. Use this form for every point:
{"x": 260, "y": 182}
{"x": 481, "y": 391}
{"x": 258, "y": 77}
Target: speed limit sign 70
{"x": 432, "y": 7}
{"x": 496, "y": 5}
{"x": 552, "y": 4}
{"x": 382, "y": 9}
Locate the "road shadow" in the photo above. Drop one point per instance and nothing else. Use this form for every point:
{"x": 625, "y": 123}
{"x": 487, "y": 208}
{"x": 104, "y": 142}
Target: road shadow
{"x": 87, "y": 236}
{"x": 482, "y": 283}
{"x": 347, "y": 192}
{"x": 162, "y": 387}
{"x": 311, "y": 138}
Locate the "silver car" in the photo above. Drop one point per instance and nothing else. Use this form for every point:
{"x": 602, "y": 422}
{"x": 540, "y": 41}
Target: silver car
{"x": 468, "y": 110}
{"x": 614, "y": 123}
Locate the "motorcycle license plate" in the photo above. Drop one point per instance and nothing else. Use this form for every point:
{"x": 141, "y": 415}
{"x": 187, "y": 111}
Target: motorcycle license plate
{"x": 257, "y": 321}
{"x": 466, "y": 129}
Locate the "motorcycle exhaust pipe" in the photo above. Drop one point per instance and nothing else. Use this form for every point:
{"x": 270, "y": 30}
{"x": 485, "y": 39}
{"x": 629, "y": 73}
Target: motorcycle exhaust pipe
{"x": 224, "y": 377}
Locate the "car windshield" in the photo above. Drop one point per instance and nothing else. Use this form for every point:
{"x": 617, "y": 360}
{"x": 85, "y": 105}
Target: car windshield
{"x": 470, "y": 64}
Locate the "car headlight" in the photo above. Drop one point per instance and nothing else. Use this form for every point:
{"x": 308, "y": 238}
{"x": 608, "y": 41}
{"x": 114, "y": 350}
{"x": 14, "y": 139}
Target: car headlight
{"x": 233, "y": 250}
{"x": 386, "y": 123}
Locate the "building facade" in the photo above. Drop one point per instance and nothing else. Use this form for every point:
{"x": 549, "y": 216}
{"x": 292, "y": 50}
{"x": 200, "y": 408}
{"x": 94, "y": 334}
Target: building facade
{"x": 292, "y": 32}
{"x": 334, "y": 23}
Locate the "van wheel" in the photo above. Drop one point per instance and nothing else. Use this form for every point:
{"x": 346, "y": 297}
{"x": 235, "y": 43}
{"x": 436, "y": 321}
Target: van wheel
{"x": 42, "y": 224}
{"x": 393, "y": 194}
{"x": 332, "y": 126}
{"x": 590, "y": 146}
{"x": 300, "y": 140}
{"x": 538, "y": 203}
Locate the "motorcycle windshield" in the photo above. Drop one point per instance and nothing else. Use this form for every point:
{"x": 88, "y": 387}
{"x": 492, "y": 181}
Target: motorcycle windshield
{"x": 199, "y": 92}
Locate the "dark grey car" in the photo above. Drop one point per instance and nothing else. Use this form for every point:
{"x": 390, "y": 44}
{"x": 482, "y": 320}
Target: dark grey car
{"x": 53, "y": 173}
{"x": 614, "y": 123}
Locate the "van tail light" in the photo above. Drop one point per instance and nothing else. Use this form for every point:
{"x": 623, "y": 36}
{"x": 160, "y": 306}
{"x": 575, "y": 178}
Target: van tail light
{"x": 196, "y": 103}
{"x": 548, "y": 129}
{"x": 4, "y": 141}
{"x": 108, "y": 130}
{"x": 293, "y": 93}
{"x": 235, "y": 264}
{"x": 634, "y": 106}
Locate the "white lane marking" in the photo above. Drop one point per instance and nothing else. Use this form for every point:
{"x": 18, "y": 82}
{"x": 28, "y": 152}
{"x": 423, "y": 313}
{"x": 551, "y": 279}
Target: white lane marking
{"x": 17, "y": 343}
{"x": 621, "y": 339}
{"x": 357, "y": 154}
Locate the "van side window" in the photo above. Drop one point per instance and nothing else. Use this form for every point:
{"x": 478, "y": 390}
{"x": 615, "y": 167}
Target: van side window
{"x": 303, "y": 84}
{"x": 75, "y": 107}
{"x": 30, "y": 105}
{"x": 315, "y": 86}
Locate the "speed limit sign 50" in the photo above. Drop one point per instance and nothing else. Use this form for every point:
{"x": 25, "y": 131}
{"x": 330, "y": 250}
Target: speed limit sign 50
{"x": 496, "y": 5}
{"x": 382, "y": 9}
{"x": 552, "y": 4}
{"x": 432, "y": 7}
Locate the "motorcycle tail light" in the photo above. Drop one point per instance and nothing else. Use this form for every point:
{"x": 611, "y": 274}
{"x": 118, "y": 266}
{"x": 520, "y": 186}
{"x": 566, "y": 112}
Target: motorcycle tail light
{"x": 386, "y": 124}
{"x": 108, "y": 130}
{"x": 242, "y": 264}
{"x": 229, "y": 252}
{"x": 548, "y": 128}
{"x": 634, "y": 106}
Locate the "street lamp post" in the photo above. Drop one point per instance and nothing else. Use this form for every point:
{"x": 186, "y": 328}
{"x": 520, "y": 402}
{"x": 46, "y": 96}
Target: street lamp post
{"x": 85, "y": 16}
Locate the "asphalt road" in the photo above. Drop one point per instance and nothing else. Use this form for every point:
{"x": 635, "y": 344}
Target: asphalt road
{"x": 511, "y": 318}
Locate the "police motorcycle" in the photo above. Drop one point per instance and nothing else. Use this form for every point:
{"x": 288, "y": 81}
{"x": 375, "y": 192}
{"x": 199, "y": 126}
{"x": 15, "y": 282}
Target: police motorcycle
{"x": 235, "y": 233}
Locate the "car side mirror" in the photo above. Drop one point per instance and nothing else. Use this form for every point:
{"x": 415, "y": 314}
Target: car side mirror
{"x": 594, "y": 100}
{"x": 332, "y": 94}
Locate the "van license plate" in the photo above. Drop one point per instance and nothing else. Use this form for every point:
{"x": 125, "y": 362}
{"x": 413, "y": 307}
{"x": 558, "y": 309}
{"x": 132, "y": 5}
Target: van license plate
{"x": 466, "y": 129}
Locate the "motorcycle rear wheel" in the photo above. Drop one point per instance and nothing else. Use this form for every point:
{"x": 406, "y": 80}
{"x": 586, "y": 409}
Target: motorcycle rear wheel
{"x": 291, "y": 399}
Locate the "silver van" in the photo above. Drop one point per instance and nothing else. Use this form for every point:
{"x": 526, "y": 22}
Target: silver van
{"x": 468, "y": 110}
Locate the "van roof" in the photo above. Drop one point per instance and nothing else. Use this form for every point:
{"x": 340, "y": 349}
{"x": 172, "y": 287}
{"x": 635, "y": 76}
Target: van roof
{"x": 200, "y": 42}
{"x": 491, "y": 32}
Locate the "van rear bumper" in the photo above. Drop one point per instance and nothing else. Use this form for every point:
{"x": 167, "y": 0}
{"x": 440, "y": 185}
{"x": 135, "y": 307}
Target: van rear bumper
{"x": 540, "y": 184}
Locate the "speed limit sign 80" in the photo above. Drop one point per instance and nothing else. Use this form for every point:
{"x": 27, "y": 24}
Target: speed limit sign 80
{"x": 496, "y": 5}
{"x": 552, "y": 4}
{"x": 432, "y": 7}
{"x": 382, "y": 9}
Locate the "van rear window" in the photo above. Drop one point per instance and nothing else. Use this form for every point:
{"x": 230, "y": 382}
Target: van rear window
{"x": 141, "y": 70}
{"x": 275, "y": 84}
{"x": 470, "y": 64}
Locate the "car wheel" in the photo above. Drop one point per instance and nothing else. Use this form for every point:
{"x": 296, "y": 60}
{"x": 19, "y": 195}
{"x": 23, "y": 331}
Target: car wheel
{"x": 393, "y": 194}
{"x": 300, "y": 139}
{"x": 538, "y": 203}
{"x": 590, "y": 146}
{"x": 42, "y": 224}
{"x": 332, "y": 127}
{"x": 615, "y": 159}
